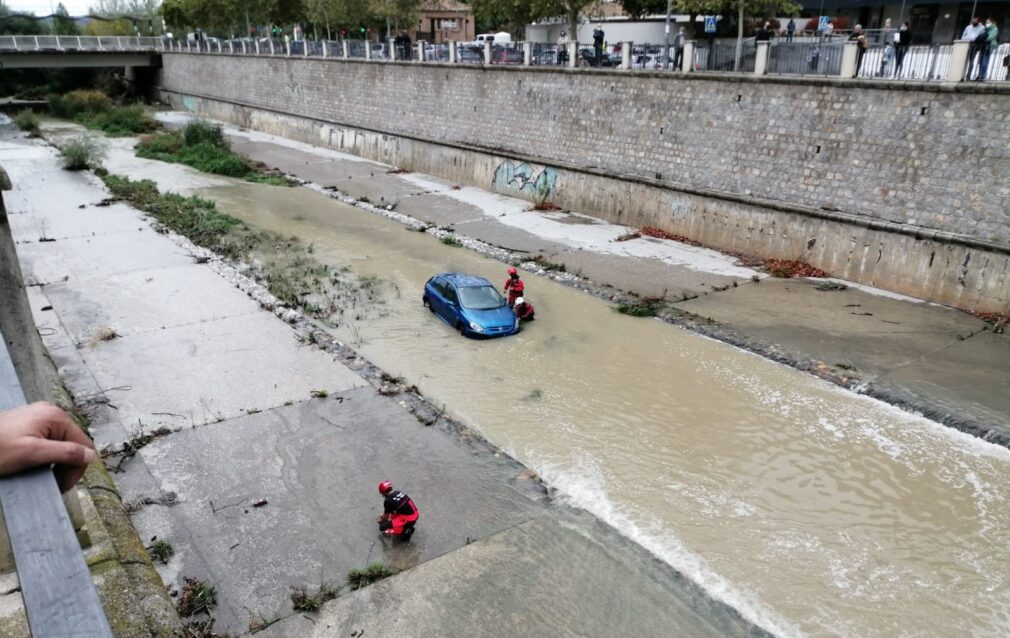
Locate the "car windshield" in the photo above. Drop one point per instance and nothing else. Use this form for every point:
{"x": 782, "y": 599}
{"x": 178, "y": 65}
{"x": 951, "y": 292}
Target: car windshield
{"x": 480, "y": 298}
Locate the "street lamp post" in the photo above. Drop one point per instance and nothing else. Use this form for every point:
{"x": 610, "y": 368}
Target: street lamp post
{"x": 666, "y": 64}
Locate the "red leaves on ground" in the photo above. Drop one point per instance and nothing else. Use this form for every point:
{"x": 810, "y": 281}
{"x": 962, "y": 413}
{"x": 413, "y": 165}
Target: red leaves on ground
{"x": 659, "y": 233}
{"x": 789, "y": 268}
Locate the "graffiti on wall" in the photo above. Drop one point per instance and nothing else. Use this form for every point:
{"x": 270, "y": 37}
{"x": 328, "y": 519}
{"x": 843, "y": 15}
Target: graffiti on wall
{"x": 188, "y": 103}
{"x": 526, "y": 178}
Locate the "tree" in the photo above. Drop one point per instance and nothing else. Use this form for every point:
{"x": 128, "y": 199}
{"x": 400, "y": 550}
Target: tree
{"x": 117, "y": 8}
{"x": 639, "y": 8}
{"x": 15, "y": 23}
{"x": 63, "y": 24}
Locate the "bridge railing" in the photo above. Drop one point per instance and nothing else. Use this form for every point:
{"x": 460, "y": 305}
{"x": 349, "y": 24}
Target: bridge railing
{"x": 803, "y": 56}
{"x": 62, "y": 43}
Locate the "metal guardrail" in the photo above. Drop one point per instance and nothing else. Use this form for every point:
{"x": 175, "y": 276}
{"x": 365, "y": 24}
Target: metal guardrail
{"x": 56, "y": 586}
{"x": 71, "y": 43}
{"x": 821, "y": 56}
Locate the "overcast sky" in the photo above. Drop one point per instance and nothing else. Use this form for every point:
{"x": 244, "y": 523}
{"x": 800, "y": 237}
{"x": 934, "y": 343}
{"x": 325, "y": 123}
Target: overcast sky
{"x": 42, "y": 7}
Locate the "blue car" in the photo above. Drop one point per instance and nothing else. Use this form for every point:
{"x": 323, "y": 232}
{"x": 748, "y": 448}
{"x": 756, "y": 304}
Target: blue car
{"x": 470, "y": 304}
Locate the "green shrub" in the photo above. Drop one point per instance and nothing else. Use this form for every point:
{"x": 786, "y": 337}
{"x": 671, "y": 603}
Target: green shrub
{"x": 82, "y": 153}
{"x": 28, "y": 121}
{"x": 203, "y": 132}
{"x": 77, "y": 102}
{"x": 119, "y": 121}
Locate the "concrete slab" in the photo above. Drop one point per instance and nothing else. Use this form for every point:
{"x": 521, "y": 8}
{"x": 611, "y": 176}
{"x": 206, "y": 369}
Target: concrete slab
{"x": 439, "y": 210}
{"x": 919, "y": 348}
{"x": 146, "y": 300}
{"x": 381, "y": 189}
{"x": 99, "y": 256}
{"x": 201, "y": 373}
{"x": 325, "y": 171}
{"x": 509, "y": 237}
{"x": 542, "y": 578}
{"x": 55, "y": 223}
{"x": 642, "y": 275}
{"x": 318, "y": 463}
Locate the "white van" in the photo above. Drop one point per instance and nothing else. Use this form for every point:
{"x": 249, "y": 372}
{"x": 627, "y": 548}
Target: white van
{"x": 495, "y": 38}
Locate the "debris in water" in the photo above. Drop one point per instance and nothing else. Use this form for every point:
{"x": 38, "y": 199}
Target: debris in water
{"x": 104, "y": 333}
{"x": 534, "y": 394}
{"x": 831, "y": 285}
{"x": 791, "y": 268}
{"x": 259, "y": 503}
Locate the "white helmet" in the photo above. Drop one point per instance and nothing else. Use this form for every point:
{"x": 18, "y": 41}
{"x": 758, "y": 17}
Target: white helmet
{"x": 520, "y": 301}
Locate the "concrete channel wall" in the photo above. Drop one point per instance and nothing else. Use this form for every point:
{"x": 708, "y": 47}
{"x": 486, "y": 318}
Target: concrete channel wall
{"x": 901, "y": 186}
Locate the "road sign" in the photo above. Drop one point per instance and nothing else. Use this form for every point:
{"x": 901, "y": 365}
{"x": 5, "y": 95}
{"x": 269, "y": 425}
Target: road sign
{"x": 822, "y": 23}
{"x": 710, "y": 24}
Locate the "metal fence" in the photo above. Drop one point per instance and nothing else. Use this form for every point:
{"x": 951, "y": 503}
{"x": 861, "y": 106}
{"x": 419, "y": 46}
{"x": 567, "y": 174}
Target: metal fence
{"x": 806, "y": 58}
{"x": 721, "y": 56}
{"x": 804, "y": 55}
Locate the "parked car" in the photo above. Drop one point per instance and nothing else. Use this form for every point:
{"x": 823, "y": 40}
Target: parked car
{"x": 469, "y": 56}
{"x": 501, "y": 55}
{"x": 469, "y": 304}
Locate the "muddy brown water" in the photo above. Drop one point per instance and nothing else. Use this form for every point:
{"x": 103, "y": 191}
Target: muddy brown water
{"x": 813, "y": 510}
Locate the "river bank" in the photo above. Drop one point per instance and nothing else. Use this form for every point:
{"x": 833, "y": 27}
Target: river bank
{"x": 215, "y": 403}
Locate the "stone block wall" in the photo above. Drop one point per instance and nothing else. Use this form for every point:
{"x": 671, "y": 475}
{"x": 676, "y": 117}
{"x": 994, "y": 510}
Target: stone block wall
{"x": 922, "y": 155}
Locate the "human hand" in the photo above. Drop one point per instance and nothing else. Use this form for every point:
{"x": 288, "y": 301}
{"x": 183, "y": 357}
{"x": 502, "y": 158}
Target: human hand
{"x": 42, "y": 434}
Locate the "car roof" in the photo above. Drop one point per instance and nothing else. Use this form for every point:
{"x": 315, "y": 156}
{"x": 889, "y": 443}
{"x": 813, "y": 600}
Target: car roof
{"x": 463, "y": 280}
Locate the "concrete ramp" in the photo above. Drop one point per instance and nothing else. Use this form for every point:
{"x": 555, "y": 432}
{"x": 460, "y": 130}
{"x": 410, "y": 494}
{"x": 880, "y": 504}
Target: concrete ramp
{"x": 545, "y": 577}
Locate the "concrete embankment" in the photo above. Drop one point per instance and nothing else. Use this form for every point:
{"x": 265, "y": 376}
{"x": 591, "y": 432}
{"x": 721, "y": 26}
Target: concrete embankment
{"x": 136, "y": 603}
{"x": 218, "y": 403}
{"x": 809, "y": 169}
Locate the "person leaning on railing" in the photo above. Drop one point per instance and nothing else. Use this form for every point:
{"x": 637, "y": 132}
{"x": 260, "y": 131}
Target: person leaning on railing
{"x": 42, "y": 434}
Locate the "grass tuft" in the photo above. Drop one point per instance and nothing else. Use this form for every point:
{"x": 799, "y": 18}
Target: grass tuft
{"x": 28, "y": 121}
{"x": 302, "y": 601}
{"x": 161, "y": 551}
{"x": 645, "y": 307}
{"x": 82, "y": 153}
{"x": 196, "y": 597}
{"x": 358, "y": 578}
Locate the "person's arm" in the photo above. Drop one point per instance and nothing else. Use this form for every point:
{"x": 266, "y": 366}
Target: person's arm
{"x": 41, "y": 434}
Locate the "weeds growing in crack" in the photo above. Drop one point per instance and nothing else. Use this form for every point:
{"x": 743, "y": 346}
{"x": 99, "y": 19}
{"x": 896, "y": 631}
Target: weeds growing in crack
{"x": 358, "y": 578}
{"x": 161, "y": 551}
{"x": 196, "y": 597}
{"x": 645, "y": 307}
{"x": 303, "y": 601}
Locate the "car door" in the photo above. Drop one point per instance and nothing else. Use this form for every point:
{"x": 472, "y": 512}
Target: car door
{"x": 451, "y": 305}
{"x": 436, "y": 295}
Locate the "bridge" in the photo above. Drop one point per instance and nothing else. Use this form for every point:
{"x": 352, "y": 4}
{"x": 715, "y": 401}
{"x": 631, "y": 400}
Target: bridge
{"x": 33, "y": 52}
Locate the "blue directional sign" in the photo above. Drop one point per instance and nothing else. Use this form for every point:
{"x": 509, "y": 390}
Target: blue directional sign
{"x": 709, "y": 24}
{"x": 822, "y": 23}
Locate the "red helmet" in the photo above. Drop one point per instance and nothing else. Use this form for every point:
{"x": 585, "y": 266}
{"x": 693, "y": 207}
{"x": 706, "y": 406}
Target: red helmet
{"x": 513, "y": 271}
{"x": 385, "y": 487}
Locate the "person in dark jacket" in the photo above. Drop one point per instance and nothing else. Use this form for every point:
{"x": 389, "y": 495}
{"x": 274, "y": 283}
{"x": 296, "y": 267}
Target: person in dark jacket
{"x": 524, "y": 310}
{"x": 902, "y": 40}
{"x": 399, "y": 514}
{"x": 764, "y": 34}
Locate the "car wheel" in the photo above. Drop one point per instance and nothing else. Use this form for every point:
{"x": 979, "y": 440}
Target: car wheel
{"x": 427, "y": 304}
{"x": 462, "y": 329}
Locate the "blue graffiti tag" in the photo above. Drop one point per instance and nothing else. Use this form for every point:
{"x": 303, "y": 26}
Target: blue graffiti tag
{"x": 188, "y": 103}
{"x": 525, "y": 178}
